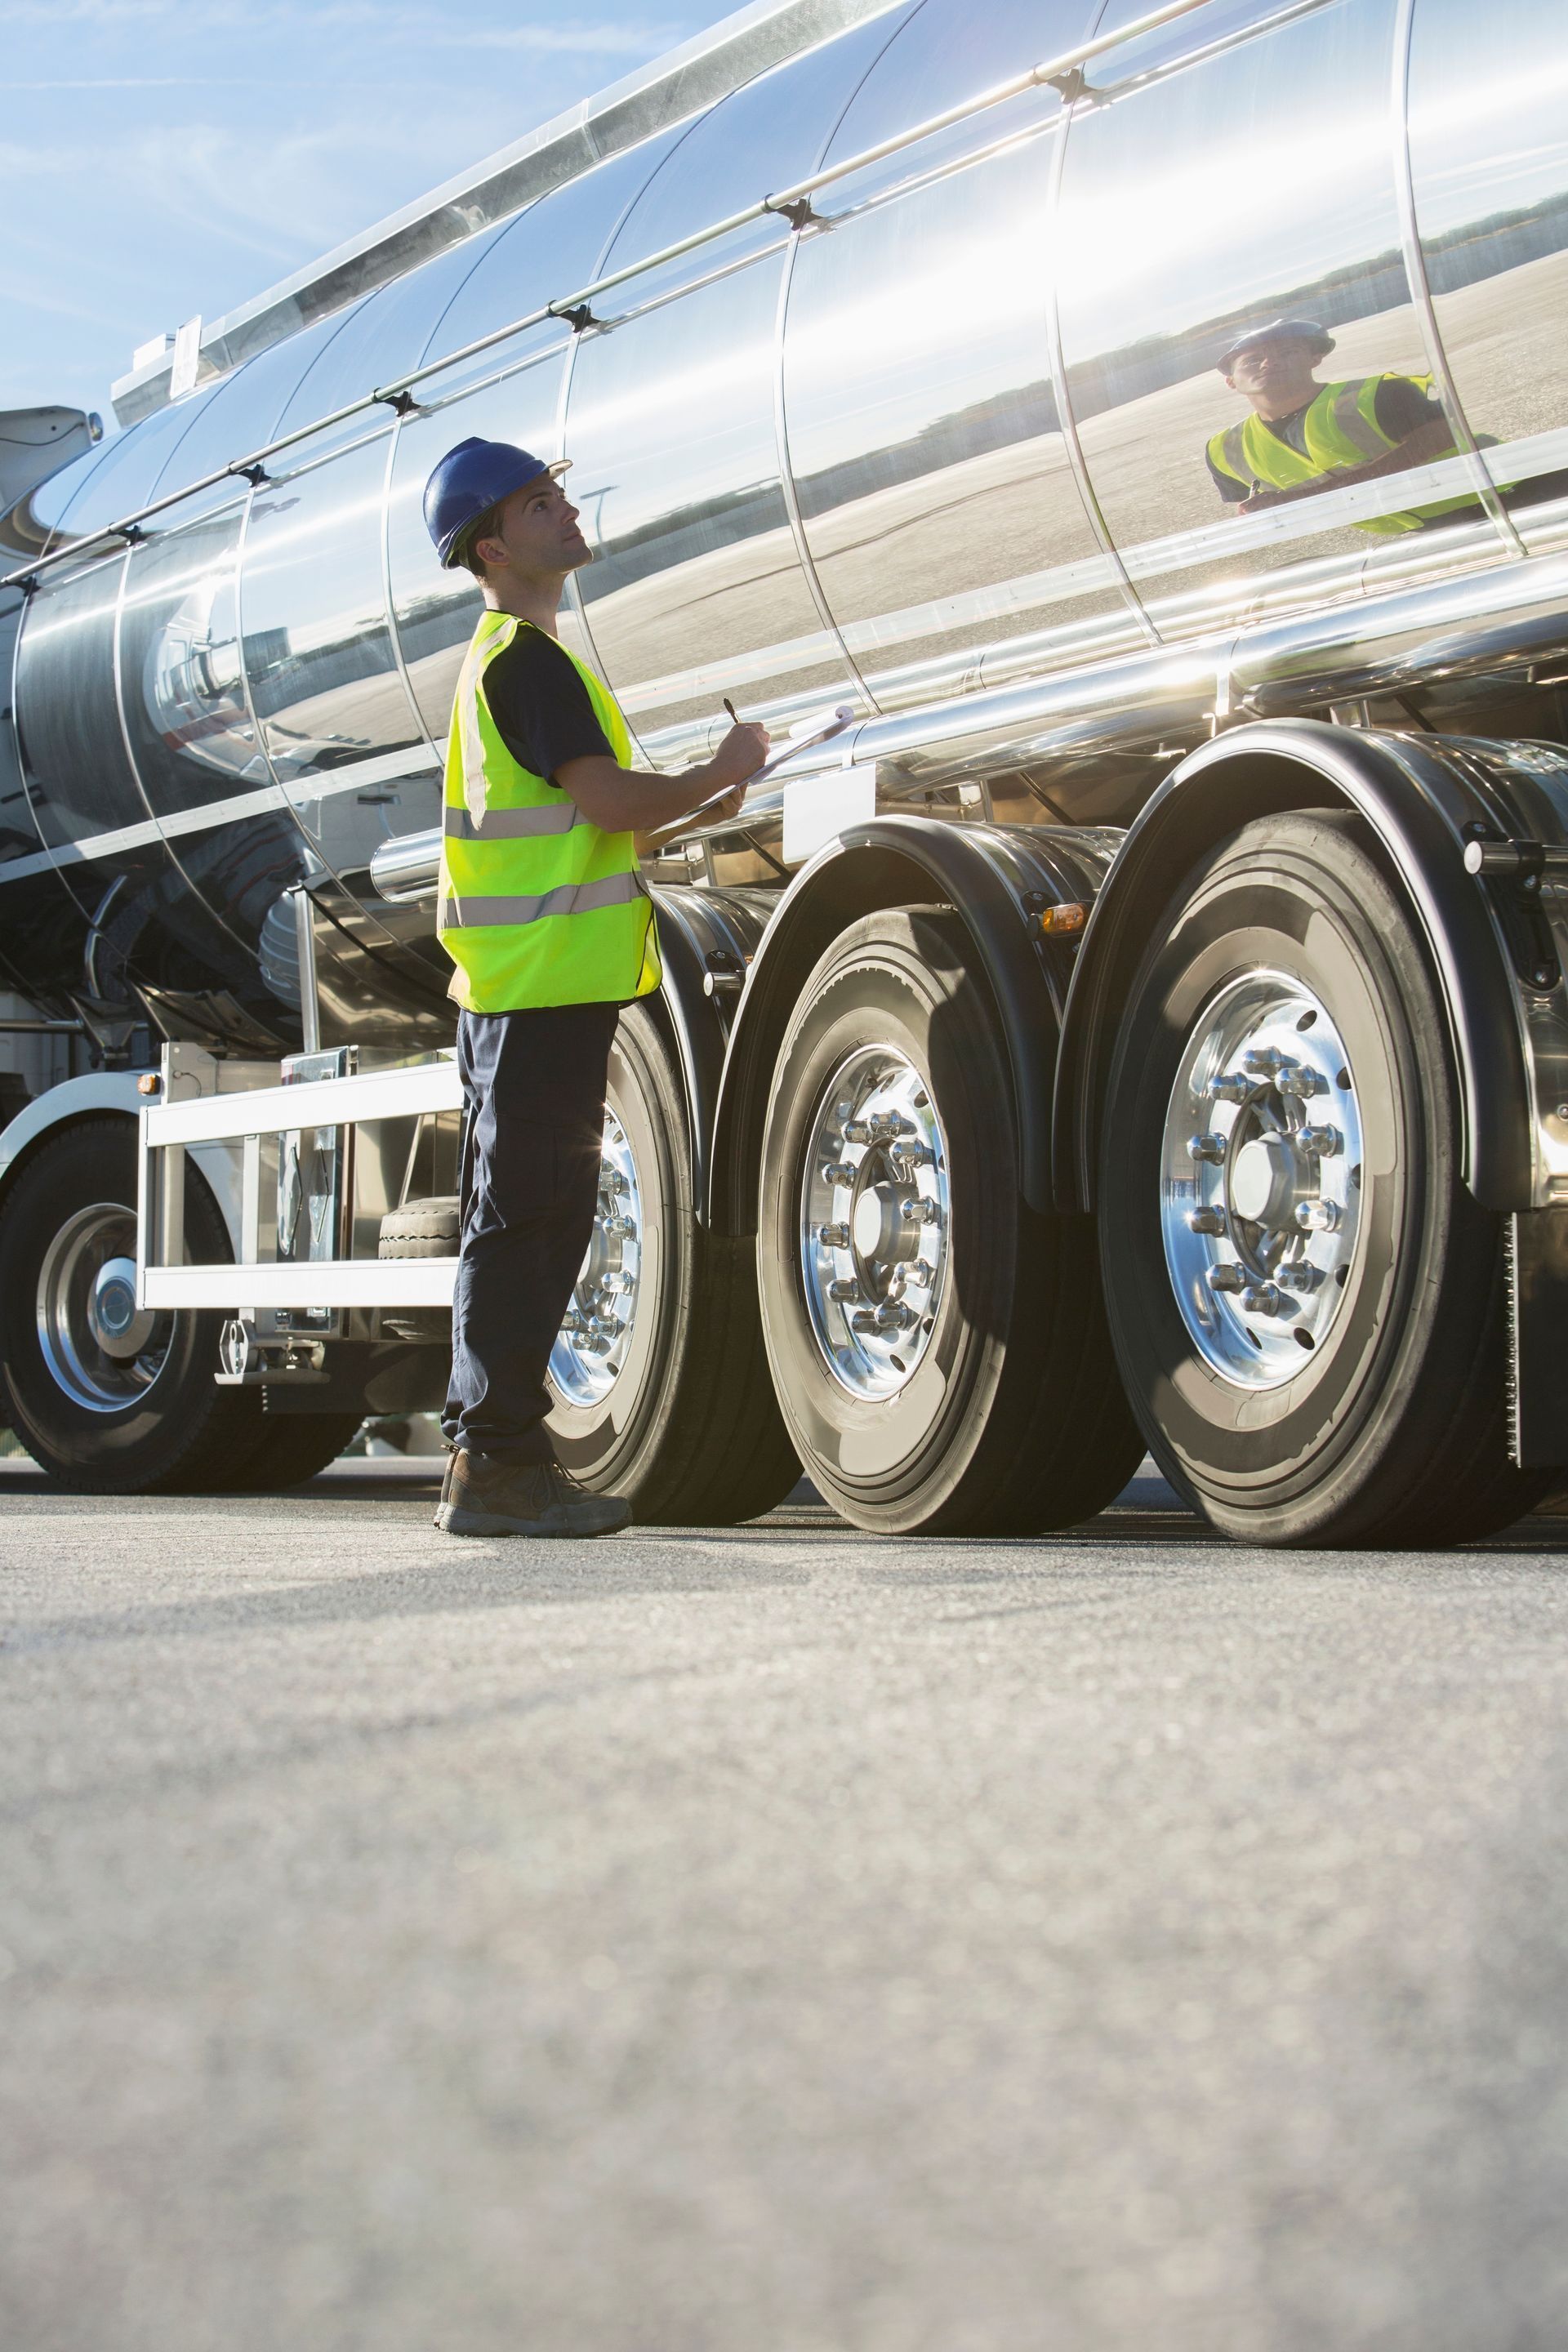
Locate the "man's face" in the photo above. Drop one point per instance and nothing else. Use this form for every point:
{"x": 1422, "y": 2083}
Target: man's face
{"x": 538, "y": 531}
{"x": 1280, "y": 374}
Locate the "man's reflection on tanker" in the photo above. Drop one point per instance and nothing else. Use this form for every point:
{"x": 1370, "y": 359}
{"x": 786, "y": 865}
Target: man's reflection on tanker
{"x": 1303, "y": 436}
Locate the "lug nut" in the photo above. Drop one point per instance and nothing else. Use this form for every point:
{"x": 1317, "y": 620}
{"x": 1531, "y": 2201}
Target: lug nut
{"x": 1207, "y": 1147}
{"x": 1319, "y": 1216}
{"x": 858, "y": 1130}
{"x": 845, "y": 1288}
{"x": 1302, "y": 1083}
{"x": 833, "y": 1236}
{"x": 920, "y": 1212}
{"x": 1231, "y": 1088}
{"x": 1263, "y": 1299}
{"x": 839, "y": 1172}
{"x": 1322, "y": 1141}
{"x": 1266, "y": 1060}
{"x": 1299, "y": 1275}
{"x": 1227, "y": 1277}
{"x": 1206, "y": 1220}
{"x": 619, "y": 1229}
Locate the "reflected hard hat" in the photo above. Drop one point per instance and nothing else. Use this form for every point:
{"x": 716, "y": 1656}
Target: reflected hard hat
{"x": 1278, "y": 330}
{"x": 472, "y": 478}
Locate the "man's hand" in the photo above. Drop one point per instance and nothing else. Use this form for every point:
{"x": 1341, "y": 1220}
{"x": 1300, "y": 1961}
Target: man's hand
{"x": 738, "y": 758}
{"x": 735, "y": 763}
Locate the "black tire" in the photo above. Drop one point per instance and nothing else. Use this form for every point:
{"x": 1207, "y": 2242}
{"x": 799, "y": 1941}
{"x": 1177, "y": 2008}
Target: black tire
{"x": 1012, "y": 1420}
{"x": 688, "y": 1432}
{"x": 1393, "y": 1432}
{"x": 181, "y": 1434}
{"x": 290, "y": 1448}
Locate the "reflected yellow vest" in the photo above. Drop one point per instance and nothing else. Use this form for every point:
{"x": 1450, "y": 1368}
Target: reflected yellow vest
{"x": 1340, "y": 428}
{"x": 537, "y": 905}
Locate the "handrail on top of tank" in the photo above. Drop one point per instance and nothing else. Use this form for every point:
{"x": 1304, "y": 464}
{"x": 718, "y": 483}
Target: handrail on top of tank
{"x": 792, "y": 204}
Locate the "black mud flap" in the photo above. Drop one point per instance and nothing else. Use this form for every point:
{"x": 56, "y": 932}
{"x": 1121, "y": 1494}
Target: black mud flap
{"x": 1538, "y": 1337}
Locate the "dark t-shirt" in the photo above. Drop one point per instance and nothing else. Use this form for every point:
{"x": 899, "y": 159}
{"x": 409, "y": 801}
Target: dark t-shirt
{"x": 1401, "y": 407}
{"x": 541, "y": 706}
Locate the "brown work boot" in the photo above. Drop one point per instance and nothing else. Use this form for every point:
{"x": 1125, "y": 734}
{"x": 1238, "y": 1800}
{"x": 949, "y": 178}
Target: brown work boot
{"x": 481, "y": 1498}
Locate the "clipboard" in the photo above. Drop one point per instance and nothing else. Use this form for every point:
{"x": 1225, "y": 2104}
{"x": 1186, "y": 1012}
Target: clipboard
{"x": 819, "y": 729}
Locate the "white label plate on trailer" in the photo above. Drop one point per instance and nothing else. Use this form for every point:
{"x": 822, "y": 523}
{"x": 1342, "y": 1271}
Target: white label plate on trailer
{"x": 818, "y": 808}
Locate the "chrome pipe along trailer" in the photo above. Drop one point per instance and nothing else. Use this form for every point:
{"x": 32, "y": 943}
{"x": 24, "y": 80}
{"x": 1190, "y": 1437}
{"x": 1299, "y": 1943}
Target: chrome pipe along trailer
{"x": 1145, "y": 1024}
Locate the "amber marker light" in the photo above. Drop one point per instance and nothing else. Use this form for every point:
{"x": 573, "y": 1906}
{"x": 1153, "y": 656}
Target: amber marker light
{"x": 1070, "y": 916}
{"x": 147, "y": 1084}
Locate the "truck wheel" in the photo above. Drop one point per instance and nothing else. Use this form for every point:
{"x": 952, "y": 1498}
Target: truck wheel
{"x": 938, "y": 1350}
{"x": 108, "y": 1400}
{"x": 1307, "y": 1305}
{"x": 659, "y": 1377}
{"x": 290, "y": 1448}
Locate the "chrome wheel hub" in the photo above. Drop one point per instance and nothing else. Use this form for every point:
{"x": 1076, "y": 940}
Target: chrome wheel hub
{"x": 100, "y": 1350}
{"x": 590, "y": 1351}
{"x": 1261, "y": 1181}
{"x": 875, "y": 1221}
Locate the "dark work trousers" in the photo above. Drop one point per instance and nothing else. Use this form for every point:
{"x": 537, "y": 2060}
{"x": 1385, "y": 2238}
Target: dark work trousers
{"x": 534, "y": 1084}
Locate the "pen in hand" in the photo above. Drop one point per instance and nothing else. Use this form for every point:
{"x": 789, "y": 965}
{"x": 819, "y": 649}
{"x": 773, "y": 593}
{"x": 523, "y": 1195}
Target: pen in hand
{"x": 735, "y": 714}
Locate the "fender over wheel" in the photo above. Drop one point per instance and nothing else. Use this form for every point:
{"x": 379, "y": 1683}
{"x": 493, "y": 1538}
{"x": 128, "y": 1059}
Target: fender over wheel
{"x": 1307, "y": 1305}
{"x": 659, "y": 1379}
{"x": 938, "y": 1350}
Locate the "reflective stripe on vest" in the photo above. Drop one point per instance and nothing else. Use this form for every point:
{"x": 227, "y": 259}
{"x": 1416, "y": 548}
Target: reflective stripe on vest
{"x": 513, "y": 824}
{"x": 472, "y": 914}
{"x": 1340, "y": 428}
{"x": 537, "y": 905}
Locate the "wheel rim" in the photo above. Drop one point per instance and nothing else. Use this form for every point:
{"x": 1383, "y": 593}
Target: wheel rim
{"x": 1260, "y": 1187}
{"x": 875, "y": 1223}
{"x": 100, "y": 1350}
{"x": 591, "y": 1346}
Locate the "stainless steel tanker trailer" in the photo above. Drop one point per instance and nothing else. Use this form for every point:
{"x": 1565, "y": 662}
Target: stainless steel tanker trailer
{"x": 1145, "y": 1023}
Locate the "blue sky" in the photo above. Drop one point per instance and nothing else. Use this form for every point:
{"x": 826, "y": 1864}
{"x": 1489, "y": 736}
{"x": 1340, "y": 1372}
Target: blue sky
{"x": 164, "y": 157}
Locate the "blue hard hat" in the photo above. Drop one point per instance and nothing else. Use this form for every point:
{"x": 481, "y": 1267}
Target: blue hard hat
{"x": 470, "y": 479}
{"x": 1278, "y": 330}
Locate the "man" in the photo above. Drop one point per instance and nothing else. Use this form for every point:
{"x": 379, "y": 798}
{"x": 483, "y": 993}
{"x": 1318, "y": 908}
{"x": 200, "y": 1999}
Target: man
{"x": 548, "y": 921}
{"x": 1304, "y": 437}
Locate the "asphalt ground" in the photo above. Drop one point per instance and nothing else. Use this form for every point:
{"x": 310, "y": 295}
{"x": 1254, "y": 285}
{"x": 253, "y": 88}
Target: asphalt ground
{"x": 772, "y": 1940}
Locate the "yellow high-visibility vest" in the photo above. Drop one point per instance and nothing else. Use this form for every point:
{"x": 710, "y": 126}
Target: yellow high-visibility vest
{"x": 537, "y": 905}
{"x": 1340, "y": 428}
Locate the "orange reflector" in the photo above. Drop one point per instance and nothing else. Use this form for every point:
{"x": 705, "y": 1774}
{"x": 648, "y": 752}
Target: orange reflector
{"x": 1069, "y": 917}
{"x": 147, "y": 1084}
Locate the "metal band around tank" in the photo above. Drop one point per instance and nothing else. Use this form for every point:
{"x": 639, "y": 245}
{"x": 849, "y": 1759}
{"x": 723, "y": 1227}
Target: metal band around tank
{"x": 513, "y": 824}
{"x": 472, "y": 913}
